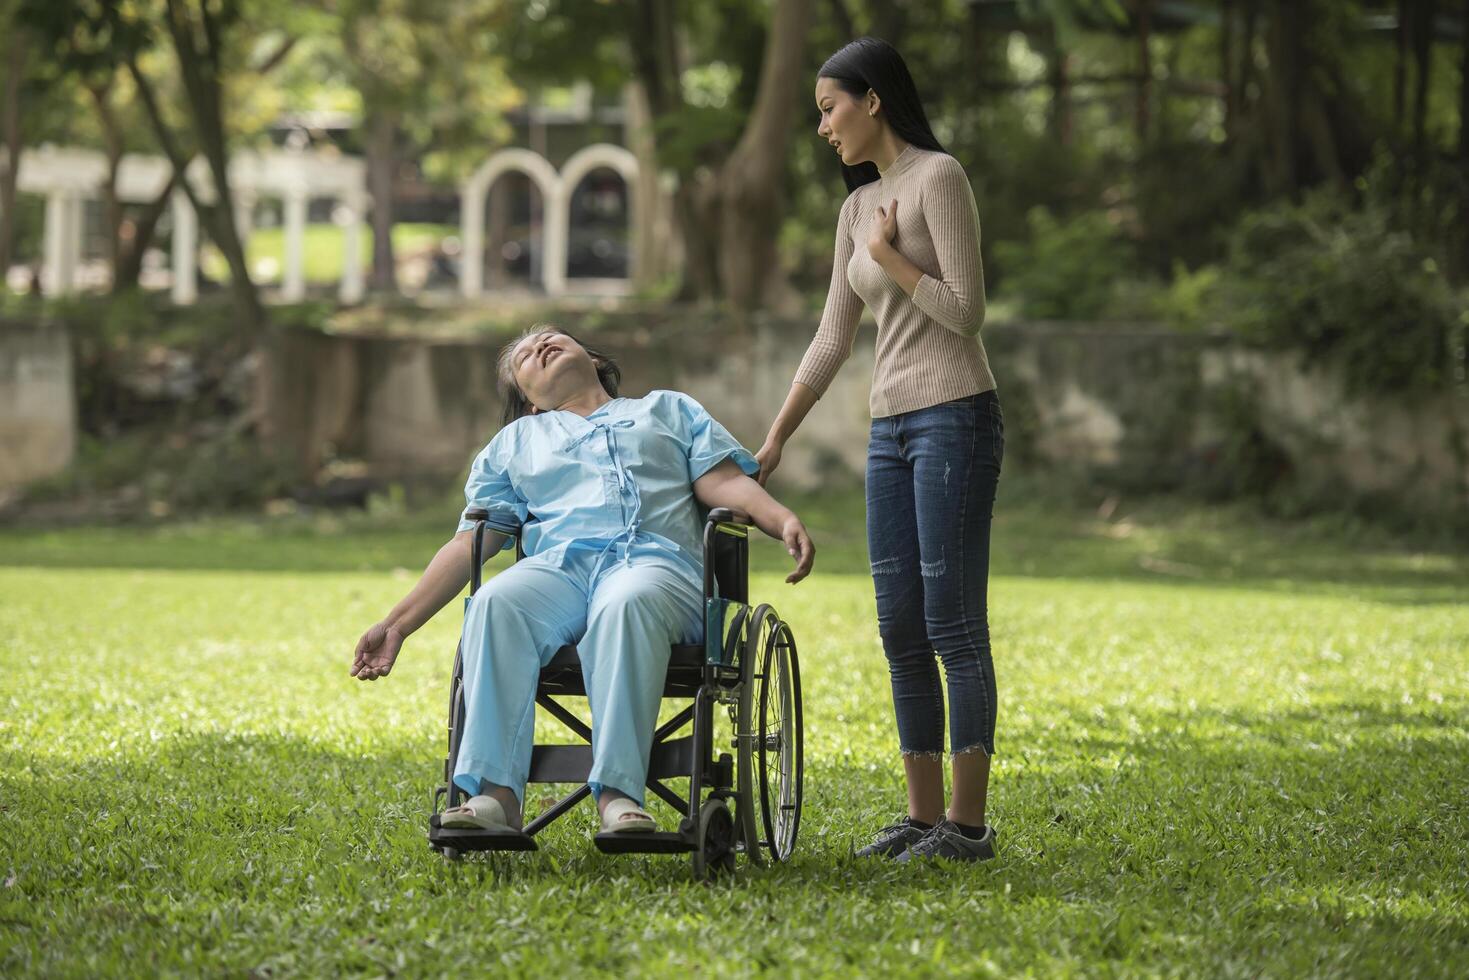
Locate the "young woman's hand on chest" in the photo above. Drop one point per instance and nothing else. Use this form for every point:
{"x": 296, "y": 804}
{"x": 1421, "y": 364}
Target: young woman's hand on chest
{"x": 891, "y": 222}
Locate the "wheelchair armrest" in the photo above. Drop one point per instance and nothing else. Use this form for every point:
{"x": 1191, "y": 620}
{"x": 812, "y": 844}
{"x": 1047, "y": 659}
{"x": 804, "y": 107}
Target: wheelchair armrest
{"x": 481, "y": 518}
{"x": 728, "y": 515}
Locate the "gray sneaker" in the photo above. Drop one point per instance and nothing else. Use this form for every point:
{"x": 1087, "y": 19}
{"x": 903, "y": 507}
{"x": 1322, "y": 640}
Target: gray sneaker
{"x": 945, "y": 841}
{"x": 893, "y": 840}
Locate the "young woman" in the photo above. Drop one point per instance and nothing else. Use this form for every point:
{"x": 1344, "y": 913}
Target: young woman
{"x": 614, "y": 564}
{"x": 907, "y": 246}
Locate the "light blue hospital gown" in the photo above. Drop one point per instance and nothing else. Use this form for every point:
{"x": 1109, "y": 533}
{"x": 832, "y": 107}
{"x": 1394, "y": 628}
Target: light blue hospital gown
{"x": 614, "y": 564}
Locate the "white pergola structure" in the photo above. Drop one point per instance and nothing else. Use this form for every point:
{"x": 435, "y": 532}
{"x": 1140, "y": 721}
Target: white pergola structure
{"x": 556, "y": 188}
{"x": 297, "y": 176}
{"x": 69, "y": 176}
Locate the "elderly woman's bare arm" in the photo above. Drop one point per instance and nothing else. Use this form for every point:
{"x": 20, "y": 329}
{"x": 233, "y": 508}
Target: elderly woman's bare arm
{"x": 443, "y": 579}
{"x": 726, "y": 485}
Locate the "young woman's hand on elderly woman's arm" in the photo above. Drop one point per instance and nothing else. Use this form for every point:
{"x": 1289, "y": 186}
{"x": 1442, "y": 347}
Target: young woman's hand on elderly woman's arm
{"x": 726, "y": 485}
{"x": 797, "y": 404}
{"x": 445, "y": 578}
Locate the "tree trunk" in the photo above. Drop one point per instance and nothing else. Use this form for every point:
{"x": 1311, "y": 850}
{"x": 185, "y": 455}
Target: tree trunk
{"x": 845, "y": 26}
{"x": 10, "y": 137}
{"x": 1400, "y": 64}
{"x": 653, "y": 258}
{"x": 696, "y": 205}
{"x": 1247, "y": 51}
{"x": 1226, "y": 66}
{"x": 655, "y": 55}
{"x": 1423, "y": 57}
{"x": 889, "y": 22}
{"x": 382, "y": 138}
{"x": 112, "y": 140}
{"x": 1060, "y": 94}
{"x": 1144, "y": 69}
{"x": 653, "y": 42}
{"x": 130, "y": 262}
{"x": 1281, "y": 96}
{"x": 1464, "y": 87}
{"x": 753, "y": 177}
{"x": 200, "y": 70}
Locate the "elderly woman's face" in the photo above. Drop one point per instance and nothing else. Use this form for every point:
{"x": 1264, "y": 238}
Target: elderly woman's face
{"x": 544, "y": 363}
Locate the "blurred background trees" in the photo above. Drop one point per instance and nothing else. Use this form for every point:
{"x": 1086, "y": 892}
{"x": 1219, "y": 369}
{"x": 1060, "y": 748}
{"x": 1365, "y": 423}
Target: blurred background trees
{"x": 1145, "y": 129}
{"x": 1292, "y": 171}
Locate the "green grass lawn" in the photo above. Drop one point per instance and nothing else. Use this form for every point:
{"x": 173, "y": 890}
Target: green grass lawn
{"x": 1226, "y": 747}
{"x": 322, "y": 251}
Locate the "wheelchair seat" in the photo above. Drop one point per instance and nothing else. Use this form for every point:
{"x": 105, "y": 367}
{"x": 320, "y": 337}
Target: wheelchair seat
{"x": 562, "y": 673}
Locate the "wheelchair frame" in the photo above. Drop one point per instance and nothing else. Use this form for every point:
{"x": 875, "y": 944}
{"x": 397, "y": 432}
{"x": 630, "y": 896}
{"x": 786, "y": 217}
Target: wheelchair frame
{"x": 751, "y": 667}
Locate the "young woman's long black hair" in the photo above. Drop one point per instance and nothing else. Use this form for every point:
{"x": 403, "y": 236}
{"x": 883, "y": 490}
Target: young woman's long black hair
{"x": 871, "y": 63}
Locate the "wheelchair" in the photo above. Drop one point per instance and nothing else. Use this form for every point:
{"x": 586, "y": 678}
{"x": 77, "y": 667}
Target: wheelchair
{"x": 745, "y": 802}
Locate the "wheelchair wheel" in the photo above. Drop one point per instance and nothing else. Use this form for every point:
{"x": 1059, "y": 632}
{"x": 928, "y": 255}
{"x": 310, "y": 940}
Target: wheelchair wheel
{"x": 779, "y": 745}
{"x": 758, "y": 629}
{"x": 716, "y": 850}
{"x": 456, "y": 730}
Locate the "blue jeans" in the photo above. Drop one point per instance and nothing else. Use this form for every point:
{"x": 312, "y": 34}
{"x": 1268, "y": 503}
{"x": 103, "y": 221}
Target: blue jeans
{"x": 931, "y": 479}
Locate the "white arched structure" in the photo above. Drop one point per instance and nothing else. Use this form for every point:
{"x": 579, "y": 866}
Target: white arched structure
{"x": 556, "y": 189}
{"x": 68, "y": 176}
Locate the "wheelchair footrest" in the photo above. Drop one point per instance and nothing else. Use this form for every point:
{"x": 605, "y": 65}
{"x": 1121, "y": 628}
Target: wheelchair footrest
{"x": 477, "y": 840}
{"x": 656, "y": 842}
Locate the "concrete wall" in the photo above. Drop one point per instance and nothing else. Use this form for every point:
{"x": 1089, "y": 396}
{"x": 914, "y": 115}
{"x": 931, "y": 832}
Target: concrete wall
{"x": 1150, "y": 406}
{"x": 37, "y": 402}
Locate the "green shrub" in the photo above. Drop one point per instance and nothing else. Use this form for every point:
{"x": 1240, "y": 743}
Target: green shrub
{"x": 1190, "y": 299}
{"x": 1347, "y": 288}
{"x": 1068, "y": 268}
{"x": 1181, "y": 217}
{"x": 165, "y": 470}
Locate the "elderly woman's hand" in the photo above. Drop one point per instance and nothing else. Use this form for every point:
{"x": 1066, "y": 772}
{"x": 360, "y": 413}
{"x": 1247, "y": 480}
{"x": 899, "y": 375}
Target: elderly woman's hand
{"x": 376, "y": 652}
{"x": 798, "y": 543}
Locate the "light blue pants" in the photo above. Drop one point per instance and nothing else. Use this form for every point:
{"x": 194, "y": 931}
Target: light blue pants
{"x": 622, "y": 617}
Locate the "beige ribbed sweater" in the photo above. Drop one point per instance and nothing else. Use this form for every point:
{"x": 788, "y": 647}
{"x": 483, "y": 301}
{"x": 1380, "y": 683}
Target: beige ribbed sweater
{"x": 928, "y": 347}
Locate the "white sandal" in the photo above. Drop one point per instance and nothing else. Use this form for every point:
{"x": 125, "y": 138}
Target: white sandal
{"x": 477, "y": 813}
{"x": 624, "y": 816}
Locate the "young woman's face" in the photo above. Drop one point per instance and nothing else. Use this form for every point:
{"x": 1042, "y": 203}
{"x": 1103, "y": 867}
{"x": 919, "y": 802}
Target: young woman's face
{"x": 847, "y": 121}
{"x": 545, "y": 364}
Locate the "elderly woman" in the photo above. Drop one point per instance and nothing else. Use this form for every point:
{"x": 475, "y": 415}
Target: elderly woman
{"x": 611, "y": 488}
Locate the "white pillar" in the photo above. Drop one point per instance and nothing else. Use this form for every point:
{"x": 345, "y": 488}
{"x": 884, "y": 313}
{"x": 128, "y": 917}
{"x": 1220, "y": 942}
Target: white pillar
{"x": 73, "y": 265}
{"x": 62, "y": 243}
{"x": 244, "y": 216}
{"x": 472, "y": 228}
{"x": 555, "y": 230}
{"x": 350, "y": 211}
{"x": 185, "y": 250}
{"x": 55, "y": 243}
{"x": 293, "y": 286}
{"x": 52, "y": 246}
